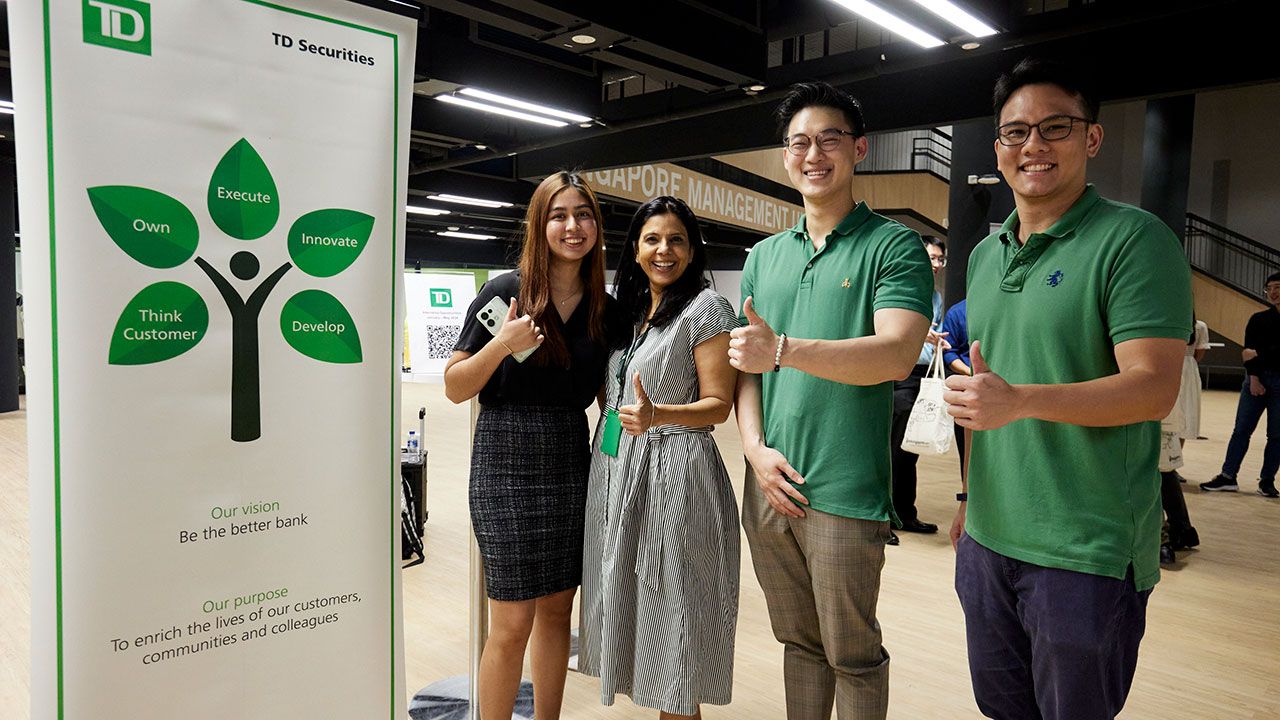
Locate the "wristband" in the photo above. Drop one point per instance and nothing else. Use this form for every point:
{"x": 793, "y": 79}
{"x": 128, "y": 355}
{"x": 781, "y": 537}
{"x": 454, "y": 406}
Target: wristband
{"x": 962, "y": 497}
{"x": 777, "y": 354}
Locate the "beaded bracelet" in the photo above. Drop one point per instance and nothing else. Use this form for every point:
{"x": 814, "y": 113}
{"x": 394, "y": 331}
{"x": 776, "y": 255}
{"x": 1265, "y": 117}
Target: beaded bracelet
{"x": 777, "y": 354}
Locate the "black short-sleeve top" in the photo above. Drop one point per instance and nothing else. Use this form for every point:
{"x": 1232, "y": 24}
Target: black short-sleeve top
{"x": 529, "y": 383}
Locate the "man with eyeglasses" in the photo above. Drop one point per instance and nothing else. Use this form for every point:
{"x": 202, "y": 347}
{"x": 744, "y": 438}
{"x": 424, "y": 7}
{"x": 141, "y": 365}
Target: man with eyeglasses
{"x": 1079, "y": 309}
{"x": 835, "y": 309}
{"x": 904, "y": 398}
{"x": 1261, "y": 391}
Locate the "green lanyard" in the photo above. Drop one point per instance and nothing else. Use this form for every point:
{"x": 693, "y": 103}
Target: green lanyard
{"x": 611, "y": 436}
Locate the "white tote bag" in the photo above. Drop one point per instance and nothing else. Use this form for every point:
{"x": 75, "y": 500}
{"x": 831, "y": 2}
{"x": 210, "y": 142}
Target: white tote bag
{"x": 930, "y": 427}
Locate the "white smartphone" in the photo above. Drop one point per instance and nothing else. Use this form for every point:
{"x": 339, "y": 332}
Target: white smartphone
{"x": 493, "y": 316}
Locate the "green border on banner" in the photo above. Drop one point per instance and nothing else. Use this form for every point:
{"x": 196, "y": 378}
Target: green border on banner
{"x": 393, "y": 469}
{"x": 53, "y": 325}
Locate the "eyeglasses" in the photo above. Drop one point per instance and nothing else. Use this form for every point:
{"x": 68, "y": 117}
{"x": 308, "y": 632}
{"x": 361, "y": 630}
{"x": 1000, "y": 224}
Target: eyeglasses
{"x": 827, "y": 141}
{"x": 1271, "y": 286}
{"x": 1053, "y": 128}
{"x": 939, "y": 261}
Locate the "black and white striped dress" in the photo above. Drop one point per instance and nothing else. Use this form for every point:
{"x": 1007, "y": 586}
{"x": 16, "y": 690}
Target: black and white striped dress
{"x": 660, "y": 565}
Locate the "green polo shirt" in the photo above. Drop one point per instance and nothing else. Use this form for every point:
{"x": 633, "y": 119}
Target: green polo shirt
{"x": 836, "y": 435}
{"x": 1051, "y": 312}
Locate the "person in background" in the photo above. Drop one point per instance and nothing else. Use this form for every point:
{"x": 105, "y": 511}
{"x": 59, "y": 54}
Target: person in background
{"x": 660, "y": 569}
{"x": 904, "y": 397}
{"x": 530, "y": 456}
{"x": 1261, "y": 391}
{"x": 955, "y": 328}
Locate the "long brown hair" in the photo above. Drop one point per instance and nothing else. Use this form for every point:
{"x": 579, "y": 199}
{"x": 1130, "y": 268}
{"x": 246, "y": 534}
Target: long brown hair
{"x": 535, "y": 270}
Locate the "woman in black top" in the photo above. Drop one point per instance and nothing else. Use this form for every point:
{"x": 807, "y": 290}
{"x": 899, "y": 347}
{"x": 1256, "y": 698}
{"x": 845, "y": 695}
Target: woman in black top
{"x": 530, "y": 458}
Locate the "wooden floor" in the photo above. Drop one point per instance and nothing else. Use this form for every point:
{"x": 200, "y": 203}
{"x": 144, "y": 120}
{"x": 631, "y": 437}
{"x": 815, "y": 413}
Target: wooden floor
{"x": 1212, "y": 649}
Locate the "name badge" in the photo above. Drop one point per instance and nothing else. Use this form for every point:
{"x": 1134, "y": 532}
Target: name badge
{"x": 612, "y": 433}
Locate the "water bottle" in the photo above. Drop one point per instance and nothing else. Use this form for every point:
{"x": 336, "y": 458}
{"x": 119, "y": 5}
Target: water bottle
{"x": 413, "y": 442}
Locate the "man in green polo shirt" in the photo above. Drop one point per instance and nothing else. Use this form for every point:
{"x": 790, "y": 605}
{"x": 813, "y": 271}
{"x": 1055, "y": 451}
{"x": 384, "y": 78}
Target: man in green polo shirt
{"x": 1079, "y": 309}
{"x": 836, "y": 310}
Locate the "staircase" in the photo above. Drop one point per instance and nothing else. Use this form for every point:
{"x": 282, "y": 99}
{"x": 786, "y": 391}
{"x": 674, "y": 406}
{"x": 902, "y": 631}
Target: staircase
{"x": 1228, "y": 271}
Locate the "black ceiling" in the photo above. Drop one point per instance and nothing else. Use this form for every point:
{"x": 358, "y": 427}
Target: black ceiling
{"x": 687, "y": 64}
{"x": 665, "y": 80}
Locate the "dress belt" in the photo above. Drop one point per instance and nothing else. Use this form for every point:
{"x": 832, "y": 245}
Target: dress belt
{"x": 661, "y": 431}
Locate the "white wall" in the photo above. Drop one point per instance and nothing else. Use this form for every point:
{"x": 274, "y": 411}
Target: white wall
{"x": 1239, "y": 125}
{"x": 1117, "y": 170}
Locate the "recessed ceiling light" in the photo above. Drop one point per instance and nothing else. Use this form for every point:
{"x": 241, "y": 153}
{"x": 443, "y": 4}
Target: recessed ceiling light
{"x": 585, "y": 125}
{"x": 481, "y": 147}
{"x": 755, "y": 88}
{"x": 971, "y": 45}
{"x": 583, "y": 39}
{"x": 891, "y": 22}
{"x": 454, "y": 228}
{"x": 467, "y": 235}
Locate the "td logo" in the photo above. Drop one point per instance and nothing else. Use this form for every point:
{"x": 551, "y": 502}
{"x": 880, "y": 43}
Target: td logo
{"x": 441, "y": 297}
{"x": 120, "y": 24}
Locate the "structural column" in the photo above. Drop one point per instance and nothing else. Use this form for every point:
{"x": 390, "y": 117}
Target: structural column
{"x": 1166, "y": 159}
{"x": 972, "y": 208}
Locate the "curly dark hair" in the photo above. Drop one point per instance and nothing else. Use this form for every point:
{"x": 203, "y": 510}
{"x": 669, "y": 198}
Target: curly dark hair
{"x": 631, "y": 285}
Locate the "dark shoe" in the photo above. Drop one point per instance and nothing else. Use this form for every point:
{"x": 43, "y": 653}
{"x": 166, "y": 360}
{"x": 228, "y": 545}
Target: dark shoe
{"x": 1166, "y": 554}
{"x": 1180, "y": 478}
{"x": 893, "y": 538}
{"x": 916, "y": 526}
{"x": 1220, "y": 483}
{"x": 1267, "y": 489}
{"x": 1185, "y": 539}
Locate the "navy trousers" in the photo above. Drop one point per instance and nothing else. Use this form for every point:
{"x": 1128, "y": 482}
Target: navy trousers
{"x": 1046, "y": 643}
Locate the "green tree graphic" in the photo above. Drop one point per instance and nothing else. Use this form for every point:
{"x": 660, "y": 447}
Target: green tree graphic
{"x": 166, "y": 319}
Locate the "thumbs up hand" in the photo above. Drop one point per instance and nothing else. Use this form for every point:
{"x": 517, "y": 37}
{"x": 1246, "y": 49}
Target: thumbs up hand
{"x": 983, "y": 401}
{"x": 752, "y": 348}
{"x": 638, "y": 417}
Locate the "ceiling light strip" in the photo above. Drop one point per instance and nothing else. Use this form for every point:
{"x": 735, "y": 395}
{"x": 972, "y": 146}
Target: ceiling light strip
{"x": 496, "y": 110}
{"x": 425, "y": 210}
{"x": 891, "y": 22}
{"x": 467, "y": 235}
{"x": 957, "y": 16}
{"x": 464, "y": 200}
{"x": 524, "y": 105}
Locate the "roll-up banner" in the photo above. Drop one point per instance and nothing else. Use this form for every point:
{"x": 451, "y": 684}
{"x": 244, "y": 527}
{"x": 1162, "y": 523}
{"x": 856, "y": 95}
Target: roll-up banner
{"x": 212, "y": 202}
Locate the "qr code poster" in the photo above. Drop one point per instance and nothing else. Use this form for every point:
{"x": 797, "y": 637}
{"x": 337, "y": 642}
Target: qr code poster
{"x": 436, "y": 305}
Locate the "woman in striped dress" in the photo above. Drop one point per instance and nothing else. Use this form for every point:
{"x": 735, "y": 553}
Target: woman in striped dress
{"x": 530, "y": 456}
{"x": 660, "y": 566}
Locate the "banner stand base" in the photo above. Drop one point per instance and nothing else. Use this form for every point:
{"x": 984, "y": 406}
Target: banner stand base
{"x": 448, "y": 700}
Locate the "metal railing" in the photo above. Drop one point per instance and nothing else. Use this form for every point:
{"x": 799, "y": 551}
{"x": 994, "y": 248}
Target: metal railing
{"x": 926, "y": 150}
{"x": 1230, "y": 258}
{"x": 932, "y": 153}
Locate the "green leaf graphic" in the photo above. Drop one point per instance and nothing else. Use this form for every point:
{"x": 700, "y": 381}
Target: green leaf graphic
{"x": 318, "y": 326}
{"x": 153, "y": 228}
{"x": 325, "y": 242}
{"x": 161, "y": 322}
{"x": 242, "y": 195}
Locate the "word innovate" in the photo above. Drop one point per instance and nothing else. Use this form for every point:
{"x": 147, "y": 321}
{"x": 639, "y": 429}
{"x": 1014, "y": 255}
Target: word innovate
{"x": 284, "y": 41}
{"x": 329, "y": 241}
